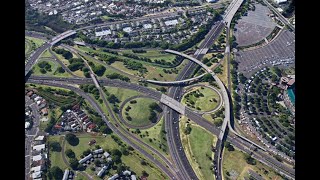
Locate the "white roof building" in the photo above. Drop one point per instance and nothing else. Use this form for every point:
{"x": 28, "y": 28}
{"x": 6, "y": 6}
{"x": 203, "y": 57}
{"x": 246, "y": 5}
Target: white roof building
{"x": 36, "y": 174}
{"x": 39, "y": 147}
{"x": 171, "y": 22}
{"x": 65, "y": 175}
{"x": 85, "y": 159}
{"x": 280, "y": 1}
{"x": 39, "y": 138}
{"x": 127, "y": 29}
{"x": 133, "y": 177}
{"x": 39, "y": 157}
{"x": 106, "y": 154}
{"x": 36, "y": 169}
{"x": 147, "y": 26}
{"x": 113, "y": 177}
{"x": 98, "y": 151}
{"x": 103, "y": 169}
{"x": 103, "y": 33}
{"x": 26, "y": 125}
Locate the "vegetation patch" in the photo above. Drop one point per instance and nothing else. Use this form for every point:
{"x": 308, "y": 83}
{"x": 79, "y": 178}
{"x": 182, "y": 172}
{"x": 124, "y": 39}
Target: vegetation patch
{"x": 202, "y": 99}
{"x": 142, "y": 112}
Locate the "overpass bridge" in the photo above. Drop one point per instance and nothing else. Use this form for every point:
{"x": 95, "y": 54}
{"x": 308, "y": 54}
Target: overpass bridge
{"x": 35, "y": 56}
{"x": 231, "y": 11}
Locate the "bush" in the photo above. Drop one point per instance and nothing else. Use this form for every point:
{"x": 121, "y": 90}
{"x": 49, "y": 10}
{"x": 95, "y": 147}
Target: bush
{"x": 72, "y": 139}
{"x": 55, "y": 146}
{"x": 70, "y": 153}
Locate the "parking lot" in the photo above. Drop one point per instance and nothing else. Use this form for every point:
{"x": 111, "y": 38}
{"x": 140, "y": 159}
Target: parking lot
{"x": 279, "y": 52}
{"x": 254, "y": 27}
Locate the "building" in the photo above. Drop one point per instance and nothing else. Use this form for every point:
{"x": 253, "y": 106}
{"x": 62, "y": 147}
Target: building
{"x": 83, "y": 160}
{"x": 36, "y": 175}
{"x": 133, "y": 177}
{"x": 280, "y": 1}
{"x": 106, "y": 154}
{"x": 98, "y": 151}
{"x": 44, "y": 111}
{"x": 66, "y": 174}
{"x": 126, "y": 173}
{"x": 26, "y": 125}
{"x": 36, "y": 169}
{"x": 39, "y": 138}
{"x": 103, "y": 169}
{"x": 39, "y": 147}
{"x": 114, "y": 177}
{"x": 39, "y": 157}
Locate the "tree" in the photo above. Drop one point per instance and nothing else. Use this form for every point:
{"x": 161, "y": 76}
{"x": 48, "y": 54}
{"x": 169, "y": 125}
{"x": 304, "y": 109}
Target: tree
{"x": 70, "y": 153}
{"x": 249, "y": 159}
{"x": 188, "y": 129}
{"x": 124, "y": 151}
{"x": 72, "y": 139}
{"x": 143, "y": 162}
{"x": 74, "y": 163}
{"x": 55, "y": 146}
{"x": 218, "y": 122}
{"x": 105, "y": 129}
{"x": 86, "y": 152}
{"x": 113, "y": 99}
{"x": 56, "y": 173}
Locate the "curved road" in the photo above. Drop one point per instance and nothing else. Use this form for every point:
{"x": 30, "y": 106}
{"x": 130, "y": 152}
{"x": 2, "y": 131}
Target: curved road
{"x": 238, "y": 142}
{"x": 212, "y": 88}
{"x": 109, "y": 124}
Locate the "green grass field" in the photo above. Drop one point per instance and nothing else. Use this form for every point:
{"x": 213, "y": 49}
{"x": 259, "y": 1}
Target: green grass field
{"x": 27, "y": 47}
{"x": 46, "y": 53}
{"x": 205, "y": 103}
{"x": 139, "y": 112}
{"x": 154, "y": 72}
{"x": 56, "y": 157}
{"x": 84, "y": 138}
{"x": 36, "y": 68}
{"x": 37, "y": 41}
{"x": 236, "y": 165}
{"x": 119, "y": 65}
{"x": 62, "y": 59}
{"x": 200, "y": 142}
{"x": 132, "y": 160}
{"x": 122, "y": 93}
{"x": 153, "y": 55}
{"x": 155, "y": 133}
{"x": 223, "y": 76}
{"x": 197, "y": 146}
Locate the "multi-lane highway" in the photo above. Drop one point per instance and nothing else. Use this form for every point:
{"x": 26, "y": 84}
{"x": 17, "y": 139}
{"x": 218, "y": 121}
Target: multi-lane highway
{"x": 236, "y": 141}
{"x": 168, "y": 169}
{"x": 281, "y": 17}
{"x": 183, "y": 169}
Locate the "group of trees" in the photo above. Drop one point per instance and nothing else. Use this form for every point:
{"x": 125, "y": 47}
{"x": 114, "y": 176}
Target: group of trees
{"x": 75, "y": 64}
{"x": 197, "y": 37}
{"x": 98, "y": 70}
{"x": 66, "y": 54}
{"x": 55, "y": 146}
{"x": 118, "y": 76}
{"x": 37, "y": 21}
{"x": 229, "y": 146}
{"x": 90, "y": 88}
{"x": 153, "y": 115}
{"x": 188, "y": 129}
{"x": 44, "y": 67}
{"x": 135, "y": 66}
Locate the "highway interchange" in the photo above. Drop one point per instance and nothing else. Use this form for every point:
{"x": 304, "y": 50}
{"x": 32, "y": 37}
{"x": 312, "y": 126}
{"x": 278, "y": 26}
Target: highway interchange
{"x": 183, "y": 169}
